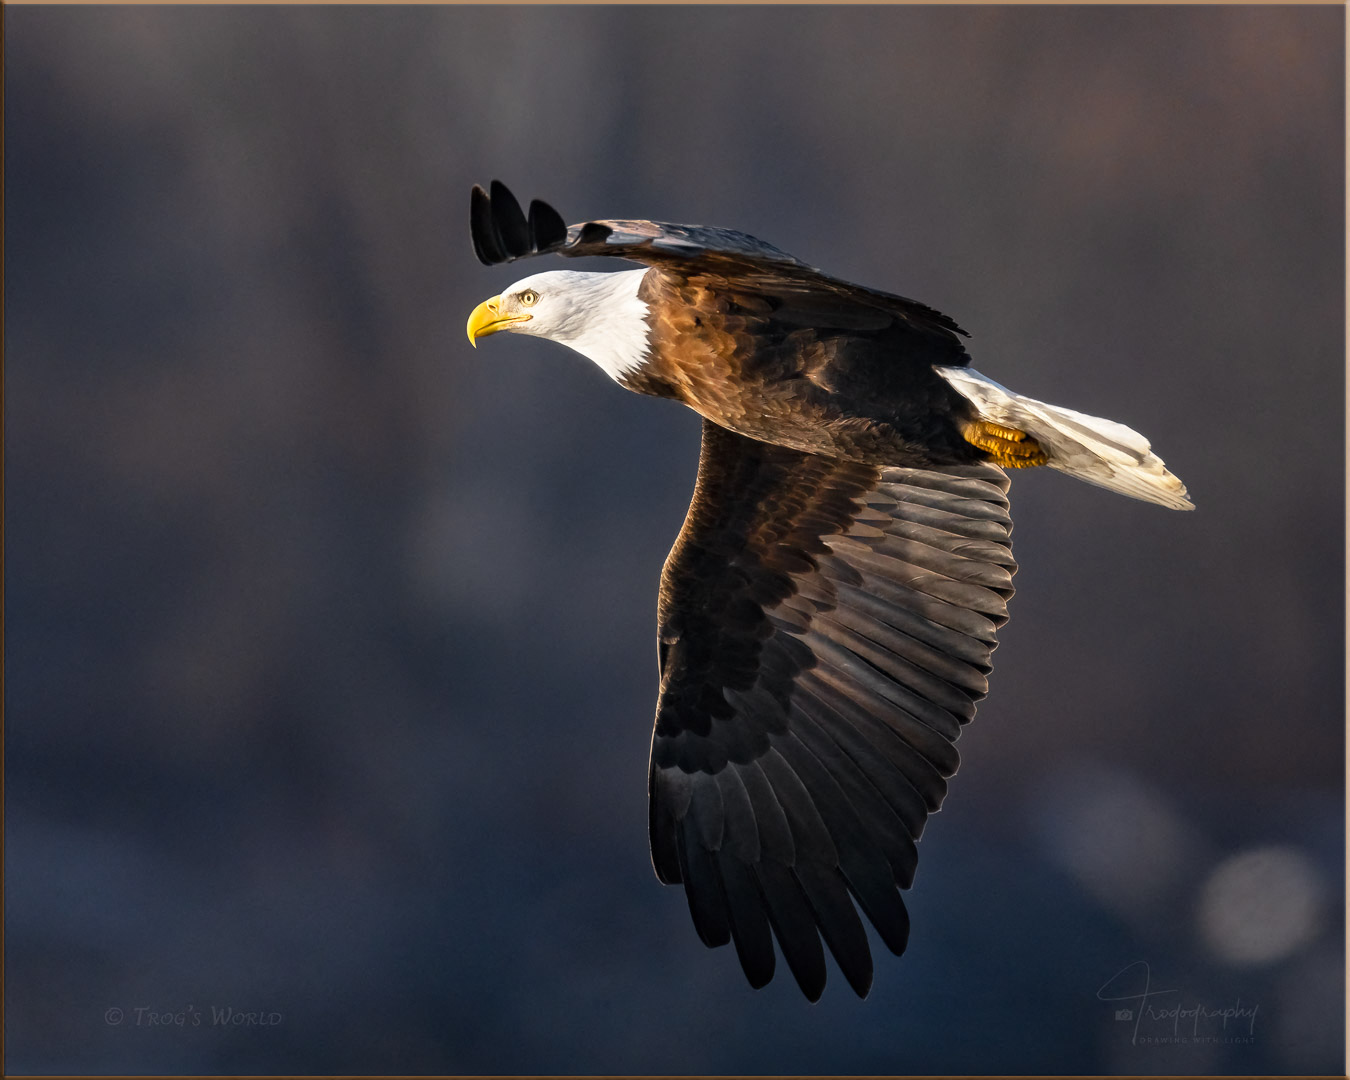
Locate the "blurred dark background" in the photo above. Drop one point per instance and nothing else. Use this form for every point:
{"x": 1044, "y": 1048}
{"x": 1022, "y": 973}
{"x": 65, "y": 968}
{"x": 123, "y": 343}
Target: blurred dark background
{"x": 330, "y": 641}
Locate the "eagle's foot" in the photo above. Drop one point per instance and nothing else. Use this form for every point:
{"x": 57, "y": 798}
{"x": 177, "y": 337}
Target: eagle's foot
{"x": 1005, "y": 446}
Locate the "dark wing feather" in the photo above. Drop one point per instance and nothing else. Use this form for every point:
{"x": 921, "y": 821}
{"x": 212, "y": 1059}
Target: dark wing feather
{"x": 501, "y": 233}
{"x": 825, "y": 630}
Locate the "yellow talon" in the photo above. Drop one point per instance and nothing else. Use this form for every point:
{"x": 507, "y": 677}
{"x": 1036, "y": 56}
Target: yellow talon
{"x": 1005, "y": 446}
{"x": 1001, "y": 432}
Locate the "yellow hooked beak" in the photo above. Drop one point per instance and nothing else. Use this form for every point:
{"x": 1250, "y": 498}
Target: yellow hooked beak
{"x": 487, "y": 318}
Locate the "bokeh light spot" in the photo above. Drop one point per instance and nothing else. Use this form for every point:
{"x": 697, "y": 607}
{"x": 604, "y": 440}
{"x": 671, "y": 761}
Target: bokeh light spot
{"x": 1261, "y": 905}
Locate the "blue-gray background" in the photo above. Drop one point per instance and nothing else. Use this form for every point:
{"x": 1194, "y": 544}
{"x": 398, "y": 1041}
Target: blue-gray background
{"x": 329, "y": 652}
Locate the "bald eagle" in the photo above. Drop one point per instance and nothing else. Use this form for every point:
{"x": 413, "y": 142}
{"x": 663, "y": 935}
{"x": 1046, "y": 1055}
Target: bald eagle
{"x": 828, "y": 611}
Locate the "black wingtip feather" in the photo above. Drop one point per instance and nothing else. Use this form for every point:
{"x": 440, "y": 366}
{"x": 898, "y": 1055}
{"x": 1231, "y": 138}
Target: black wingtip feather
{"x": 794, "y": 923}
{"x": 702, "y": 888}
{"x": 485, "y": 244}
{"x": 547, "y": 228}
{"x": 509, "y": 219}
{"x": 749, "y": 923}
{"x": 839, "y": 923}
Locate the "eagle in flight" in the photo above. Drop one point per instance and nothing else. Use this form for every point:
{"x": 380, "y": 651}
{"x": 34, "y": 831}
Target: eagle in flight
{"x": 828, "y": 610}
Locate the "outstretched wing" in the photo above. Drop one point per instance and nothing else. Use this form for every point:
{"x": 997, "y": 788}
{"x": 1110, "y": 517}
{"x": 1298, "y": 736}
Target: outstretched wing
{"x": 825, "y": 630}
{"x": 502, "y": 232}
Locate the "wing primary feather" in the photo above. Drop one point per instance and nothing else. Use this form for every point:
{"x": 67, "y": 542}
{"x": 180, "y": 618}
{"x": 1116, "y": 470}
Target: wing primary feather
{"x": 794, "y": 923}
{"x": 485, "y": 244}
{"x": 547, "y": 228}
{"x": 880, "y": 824}
{"x": 810, "y": 837}
{"x": 876, "y": 759}
{"x": 775, "y": 834}
{"x": 702, "y": 888}
{"x": 749, "y": 923}
{"x": 839, "y": 923}
{"x": 866, "y": 869}
{"x": 512, "y": 230}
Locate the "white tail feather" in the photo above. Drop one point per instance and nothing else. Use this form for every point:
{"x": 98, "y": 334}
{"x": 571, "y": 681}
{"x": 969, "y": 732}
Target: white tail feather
{"x": 1099, "y": 451}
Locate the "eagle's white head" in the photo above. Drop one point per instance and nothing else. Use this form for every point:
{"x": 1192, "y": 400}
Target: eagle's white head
{"x": 598, "y": 315}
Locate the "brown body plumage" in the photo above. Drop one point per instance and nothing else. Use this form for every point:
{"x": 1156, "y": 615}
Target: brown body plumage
{"x": 802, "y": 370}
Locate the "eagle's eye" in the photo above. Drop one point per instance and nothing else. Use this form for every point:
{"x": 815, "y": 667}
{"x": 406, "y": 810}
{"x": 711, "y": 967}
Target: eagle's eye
{"x": 528, "y": 298}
